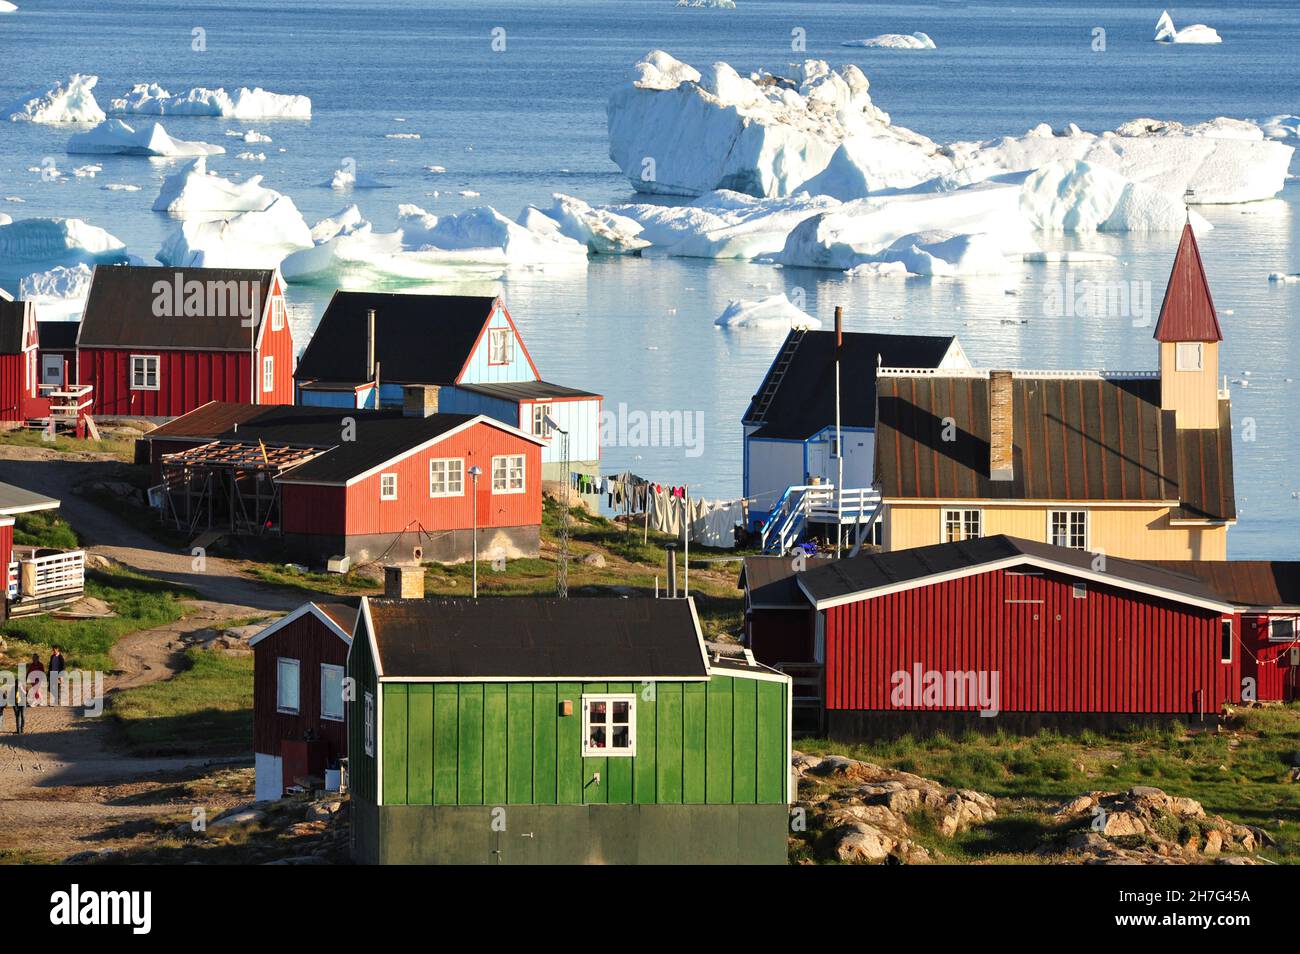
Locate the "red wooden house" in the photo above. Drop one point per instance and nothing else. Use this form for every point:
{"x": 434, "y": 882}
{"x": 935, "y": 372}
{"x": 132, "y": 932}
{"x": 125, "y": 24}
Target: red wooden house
{"x": 299, "y": 727}
{"x": 19, "y": 396}
{"x": 57, "y": 355}
{"x": 33, "y": 579}
{"x": 160, "y": 342}
{"x": 396, "y": 484}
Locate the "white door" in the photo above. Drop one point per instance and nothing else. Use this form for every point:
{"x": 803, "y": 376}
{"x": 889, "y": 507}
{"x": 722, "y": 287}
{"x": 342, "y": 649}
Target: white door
{"x": 52, "y": 369}
{"x": 817, "y": 456}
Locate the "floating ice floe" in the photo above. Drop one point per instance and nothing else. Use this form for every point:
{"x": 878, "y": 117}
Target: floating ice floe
{"x": 426, "y": 247}
{"x": 120, "y": 187}
{"x": 59, "y": 292}
{"x": 193, "y": 188}
{"x": 774, "y": 312}
{"x": 72, "y": 101}
{"x": 249, "y": 136}
{"x": 896, "y": 41}
{"x": 676, "y": 130}
{"x": 1196, "y": 33}
{"x": 7, "y": 7}
{"x": 243, "y": 103}
{"x": 55, "y": 241}
{"x": 708, "y": 4}
{"x": 346, "y": 178}
{"x": 1284, "y": 126}
{"x": 1073, "y": 196}
{"x": 251, "y": 156}
{"x": 254, "y": 239}
{"x": 5, "y": 219}
{"x": 114, "y": 137}
{"x": 1283, "y": 278}
{"x": 602, "y": 231}
{"x": 401, "y": 135}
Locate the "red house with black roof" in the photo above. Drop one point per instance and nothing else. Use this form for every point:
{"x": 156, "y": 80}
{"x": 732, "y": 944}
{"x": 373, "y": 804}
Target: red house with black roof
{"x": 392, "y": 484}
{"x": 160, "y": 342}
{"x": 19, "y": 395}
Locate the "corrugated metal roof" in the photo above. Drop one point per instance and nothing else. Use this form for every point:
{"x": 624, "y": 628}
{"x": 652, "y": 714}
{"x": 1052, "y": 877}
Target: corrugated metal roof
{"x": 14, "y": 500}
{"x": 207, "y": 422}
{"x": 527, "y": 391}
{"x": 536, "y": 638}
{"x": 1187, "y": 312}
{"x": 1262, "y": 583}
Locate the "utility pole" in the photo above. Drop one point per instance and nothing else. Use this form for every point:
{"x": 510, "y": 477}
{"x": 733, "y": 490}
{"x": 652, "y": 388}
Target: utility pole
{"x": 474, "y": 472}
{"x": 839, "y": 440}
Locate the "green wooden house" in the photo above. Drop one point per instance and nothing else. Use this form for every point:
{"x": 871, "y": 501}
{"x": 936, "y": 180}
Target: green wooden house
{"x": 548, "y": 731}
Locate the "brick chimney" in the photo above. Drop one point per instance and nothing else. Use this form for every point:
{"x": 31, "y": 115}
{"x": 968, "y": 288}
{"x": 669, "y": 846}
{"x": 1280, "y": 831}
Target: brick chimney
{"x": 1001, "y": 426}
{"x": 404, "y": 581}
{"x": 419, "y": 400}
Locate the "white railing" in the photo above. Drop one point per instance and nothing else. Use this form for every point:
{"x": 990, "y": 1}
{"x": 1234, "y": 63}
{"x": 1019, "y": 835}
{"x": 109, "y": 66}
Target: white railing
{"x": 38, "y": 577}
{"x": 1085, "y": 375}
{"x": 818, "y": 503}
{"x": 853, "y": 503}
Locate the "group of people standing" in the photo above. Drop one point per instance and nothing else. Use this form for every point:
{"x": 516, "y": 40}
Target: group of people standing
{"x": 32, "y": 689}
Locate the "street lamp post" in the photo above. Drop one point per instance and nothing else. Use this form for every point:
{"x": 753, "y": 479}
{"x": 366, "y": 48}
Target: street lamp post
{"x": 475, "y": 472}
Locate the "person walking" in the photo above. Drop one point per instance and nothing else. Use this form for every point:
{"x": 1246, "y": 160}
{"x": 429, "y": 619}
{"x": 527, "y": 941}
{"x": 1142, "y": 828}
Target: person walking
{"x": 36, "y": 681}
{"x": 58, "y": 665}
{"x": 17, "y": 699}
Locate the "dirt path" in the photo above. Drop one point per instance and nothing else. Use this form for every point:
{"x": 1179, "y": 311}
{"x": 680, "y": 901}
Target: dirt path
{"x": 63, "y": 787}
{"x": 106, "y": 534}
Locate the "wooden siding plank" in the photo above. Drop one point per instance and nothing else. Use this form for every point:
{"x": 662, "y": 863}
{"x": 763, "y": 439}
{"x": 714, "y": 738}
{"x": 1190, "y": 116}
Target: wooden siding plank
{"x": 519, "y": 744}
{"x": 446, "y": 734}
{"x": 494, "y": 744}
{"x": 744, "y": 719}
{"x": 545, "y": 715}
{"x": 668, "y": 743}
{"x": 469, "y": 762}
{"x": 644, "y": 765}
{"x": 620, "y": 767}
{"x": 694, "y": 721}
{"x": 770, "y": 760}
{"x": 568, "y": 746}
{"x": 718, "y": 741}
{"x": 396, "y": 745}
{"x": 419, "y": 773}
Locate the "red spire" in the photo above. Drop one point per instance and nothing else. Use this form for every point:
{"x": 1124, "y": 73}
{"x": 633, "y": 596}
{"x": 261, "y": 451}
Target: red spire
{"x": 1187, "y": 313}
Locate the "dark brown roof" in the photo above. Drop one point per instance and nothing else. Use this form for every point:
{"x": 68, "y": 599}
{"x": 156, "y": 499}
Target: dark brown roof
{"x": 419, "y": 339}
{"x": 1260, "y": 583}
{"x": 207, "y": 422}
{"x": 12, "y": 318}
{"x": 527, "y": 391}
{"x": 344, "y": 614}
{"x": 803, "y": 375}
{"x": 1187, "y": 312}
{"x": 536, "y": 638}
{"x": 58, "y": 335}
{"x": 772, "y": 582}
{"x": 868, "y": 572}
{"x": 120, "y": 309}
{"x": 1084, "y": 438}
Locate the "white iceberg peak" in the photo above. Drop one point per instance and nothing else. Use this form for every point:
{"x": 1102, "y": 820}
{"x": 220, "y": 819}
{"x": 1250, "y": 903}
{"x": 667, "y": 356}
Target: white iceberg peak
{"x": 193, "y": 188}
{"x": 1196, "y": 33}
{"x": 776, "y": 312}
{"x": 114, "y": 137}
{"x": 896, "y": 41}
{"x": 243, "y": 103}
{"x": 67, "y": 102}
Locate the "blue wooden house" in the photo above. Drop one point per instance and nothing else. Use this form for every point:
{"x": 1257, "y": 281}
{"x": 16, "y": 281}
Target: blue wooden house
{"x": 457, "y": 354}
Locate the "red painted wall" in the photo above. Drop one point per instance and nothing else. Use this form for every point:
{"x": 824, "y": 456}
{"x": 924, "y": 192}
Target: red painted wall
{"x": 308, "y": 509}
{"x": 15, "y": 396}
{"x": 310, "y": 642}
{"x": 1113, "y": 651}
{"x": 1267, "y": 663}
{"x": 277, "y": 345}
{"x": 6, "y": 555}
{"x": 186, "y": 380}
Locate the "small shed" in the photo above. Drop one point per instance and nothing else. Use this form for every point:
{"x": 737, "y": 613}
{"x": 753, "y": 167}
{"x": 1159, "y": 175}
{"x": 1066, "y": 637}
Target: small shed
{"x": 57, "y": 352}
{"x": 19, "y": 395}
{"x": 299, "y": 716}
{"x": 533, "y": 731}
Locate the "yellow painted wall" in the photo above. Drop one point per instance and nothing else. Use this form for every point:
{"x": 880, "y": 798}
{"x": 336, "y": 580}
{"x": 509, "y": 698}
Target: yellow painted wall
{"x": 1192, "y": 395}
{"x": 1137, "y": 533}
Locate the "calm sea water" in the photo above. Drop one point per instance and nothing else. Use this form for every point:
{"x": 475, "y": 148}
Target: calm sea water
{"x": 518, "y": 125}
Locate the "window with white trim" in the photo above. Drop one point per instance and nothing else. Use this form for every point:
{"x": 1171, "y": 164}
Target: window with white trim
{"x": 446, "y": 477}
{"x": 370, "y": 724}
{"x": 609, "y": 725}
{"x": 144, "y": 372}
{"x": 541, "y": 427}
{"x": 268, "y": 374}
{"x": 1080, "y": 591}
{"x": 387, "y": 486}
{"x": 277, "y": 313}
{"x": 962, "y": 525}
{"x": 1225, "y": 640}
{"x": 1068, "y": 528}
{"x": 1282, "y": 630}
{"x": 287, "y": 686}
{"x": 508, "y": 474}
{"x": 331, "y": 692}
{"x": 501, "y": 346}
{"x": 1189, "y": 356}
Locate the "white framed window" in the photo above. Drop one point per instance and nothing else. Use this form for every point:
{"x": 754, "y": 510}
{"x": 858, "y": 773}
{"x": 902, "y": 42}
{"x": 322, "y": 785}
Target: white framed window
{"x": 1068, "y": 528}
{"x": 287, "y": 687}
{"x": 609, "y": 724}
{"x": 1080, "y": 591}
{"x": 962, "y": 525}
{"x": 144, "y": 372}
{"x": 331, "y": 692}
{"x": 268, "y": 374}
{"x": 370, "y": 724}
{"x": 1189, "y": 356}
{"x": 1225, "y": 640}
{"x": 277, "y": 313}
{"x": 446, "y": 477}
{"x": 1282, "y": 630}
{"x": 387, "y": 486}
{"x": 508, "y": 474}
{"x": 501, "y": 346}
{"x": 541, "y": 427}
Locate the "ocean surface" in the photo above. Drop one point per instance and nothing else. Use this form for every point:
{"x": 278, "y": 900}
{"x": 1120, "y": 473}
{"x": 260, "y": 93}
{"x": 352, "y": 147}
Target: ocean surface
{"x": 520, "y": 124}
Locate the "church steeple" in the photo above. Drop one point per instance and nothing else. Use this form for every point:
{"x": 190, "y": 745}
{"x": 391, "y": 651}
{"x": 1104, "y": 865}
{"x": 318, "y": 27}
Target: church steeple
{"x": 1189, "y": 335}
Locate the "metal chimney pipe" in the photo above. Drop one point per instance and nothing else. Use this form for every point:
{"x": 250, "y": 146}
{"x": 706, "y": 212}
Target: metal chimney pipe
{"x": 370, "y": 344}
{"x": 671, "y": 588}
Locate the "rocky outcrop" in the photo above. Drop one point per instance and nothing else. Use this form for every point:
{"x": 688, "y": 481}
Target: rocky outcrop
{"x": 1145, "y": 825}
{"x": 860, "y": 812}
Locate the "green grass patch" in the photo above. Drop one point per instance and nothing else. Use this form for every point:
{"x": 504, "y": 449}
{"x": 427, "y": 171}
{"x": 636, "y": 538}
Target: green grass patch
{"x": 139, "y": 601}
{"x": 122, "y": 448}
{"x": 205, "y": 710}
{"x": 45, "y": 528}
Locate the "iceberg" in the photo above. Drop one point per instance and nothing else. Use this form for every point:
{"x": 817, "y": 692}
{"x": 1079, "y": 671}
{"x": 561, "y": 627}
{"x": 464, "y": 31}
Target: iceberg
{"x": 114, "y": 137}
{"x": 603, "y": 231}
{"x": 7, "y": 7}
{"x": 1073, "y": 196}
{"x": 254, "y": 239}
{"x": 944, "y": 254}
{"x": 775, "y": 312}
{"x": 244, "y": 103}
{"x": 192, "y": 188}
{"x": 70, "y": 102}
{"x": 425, "y": 247}
{"x": 1196, "y": 33}
{"x": 59, "y": 292}
{"x": 346, "y": 178}
{"x": 55, "y": 241}
{"x": 896, "y": 41}
{"x": 708, "y": 4}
